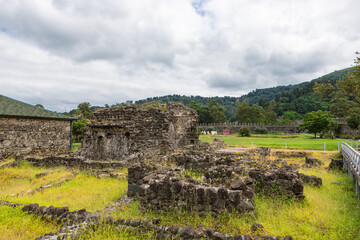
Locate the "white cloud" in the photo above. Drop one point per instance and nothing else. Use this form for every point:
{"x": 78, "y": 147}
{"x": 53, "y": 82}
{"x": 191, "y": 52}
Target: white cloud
{"x": 60, "y": 53}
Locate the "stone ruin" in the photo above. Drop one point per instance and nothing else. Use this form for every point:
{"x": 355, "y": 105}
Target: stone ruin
{"x": 117, "y": 133}
{"x": 163, "y": 188}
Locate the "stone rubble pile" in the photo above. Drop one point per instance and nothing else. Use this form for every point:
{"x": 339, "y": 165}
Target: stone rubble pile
{"x": 312, "y": 162}
{"x": 312, "y": 180}
{"x": 166, "y": 190}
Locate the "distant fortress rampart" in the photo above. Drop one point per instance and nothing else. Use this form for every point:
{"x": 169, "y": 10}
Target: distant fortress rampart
{"x": 235, "y": 127}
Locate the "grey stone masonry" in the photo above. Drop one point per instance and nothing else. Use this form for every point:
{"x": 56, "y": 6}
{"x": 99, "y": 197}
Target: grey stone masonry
{"x": 23, "y": 136}
{"x": 119, "y": 132}
{"x": 164, "y": 189}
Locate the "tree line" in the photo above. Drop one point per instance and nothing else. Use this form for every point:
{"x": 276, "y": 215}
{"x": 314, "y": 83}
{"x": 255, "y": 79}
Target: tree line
{"x": 334, "y": 95}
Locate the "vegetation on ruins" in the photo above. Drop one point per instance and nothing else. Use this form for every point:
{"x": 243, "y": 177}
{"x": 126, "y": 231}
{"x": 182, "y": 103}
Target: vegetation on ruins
{"x": 328, "y": 212}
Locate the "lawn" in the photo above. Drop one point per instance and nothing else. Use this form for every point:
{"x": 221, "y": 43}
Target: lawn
{"x": 297, "y": 142}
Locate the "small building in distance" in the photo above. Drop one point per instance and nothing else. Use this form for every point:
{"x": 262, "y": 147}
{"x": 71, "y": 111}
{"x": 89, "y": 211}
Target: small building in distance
{"x": 121, "y": 131}
{"x": 26, "y": 129}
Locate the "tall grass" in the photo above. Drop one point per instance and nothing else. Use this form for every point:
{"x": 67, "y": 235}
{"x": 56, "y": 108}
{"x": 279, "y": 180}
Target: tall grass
{"x": 16, "y": 224}
{"x": 21, "y": 178}
{"x": 110, "y": 232}
{"x": 329, "y": 212}
{"x": 85, "y": 191}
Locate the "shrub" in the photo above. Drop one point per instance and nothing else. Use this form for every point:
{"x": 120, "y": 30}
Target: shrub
{"x": 260, "y": 130}
{"x": 244, "y": 132}
{"x": 209, "y": 129}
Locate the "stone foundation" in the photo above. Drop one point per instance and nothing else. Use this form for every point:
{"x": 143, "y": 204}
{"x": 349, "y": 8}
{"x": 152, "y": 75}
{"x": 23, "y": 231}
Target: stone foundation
{"x": 164, "y": 189}
{"x": 283, "y": 182}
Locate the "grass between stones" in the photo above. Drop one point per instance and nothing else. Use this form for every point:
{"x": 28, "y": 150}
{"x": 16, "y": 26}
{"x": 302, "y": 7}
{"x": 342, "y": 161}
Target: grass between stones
{"x": 329, "y": 212}
{"x": 84, "y": 191}
{"x": 110, "y": 232}
{"x": 6, "y": 161}
{"x": 22, "y": 178}
{"x": 16, "y": 224}
{"x": 298, "y": 141}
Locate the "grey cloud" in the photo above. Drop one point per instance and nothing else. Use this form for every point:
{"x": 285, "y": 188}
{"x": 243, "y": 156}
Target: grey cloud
{"x": 64, "y": 52}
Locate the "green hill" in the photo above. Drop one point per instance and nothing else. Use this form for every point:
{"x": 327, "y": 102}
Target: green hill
{"x": 298, "y": 97}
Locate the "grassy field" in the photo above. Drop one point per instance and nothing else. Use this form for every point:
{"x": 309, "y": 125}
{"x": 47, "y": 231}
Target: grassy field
{"x": 329, "y": 212}
{"x": 299, "y": 141}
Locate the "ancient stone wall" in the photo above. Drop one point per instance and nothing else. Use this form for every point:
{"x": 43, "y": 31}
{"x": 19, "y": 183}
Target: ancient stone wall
{"x": 119, "y": 132}
{"x": 164, "y": 189}
{"x": 235, "y": 127}
{"x": 22, "y": 136}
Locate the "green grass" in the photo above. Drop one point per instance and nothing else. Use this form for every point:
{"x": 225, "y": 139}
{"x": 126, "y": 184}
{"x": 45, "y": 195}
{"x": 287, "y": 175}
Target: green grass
{"x": 329, "y": 212}
{"x": 75, "y": 146}
{"x": 296, "y": 142}
{"x": 84, "y": 191}
{"x": 16, "y": 224}
{"x": 110, "y": 232}
{"x": 21, "y": 178}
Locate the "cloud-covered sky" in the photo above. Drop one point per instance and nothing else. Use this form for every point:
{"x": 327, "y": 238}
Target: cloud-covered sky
{"x": 62, "y": 52}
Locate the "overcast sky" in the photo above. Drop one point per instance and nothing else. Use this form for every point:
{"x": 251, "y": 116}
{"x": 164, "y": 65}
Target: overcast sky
{"x": 63, "y": 52}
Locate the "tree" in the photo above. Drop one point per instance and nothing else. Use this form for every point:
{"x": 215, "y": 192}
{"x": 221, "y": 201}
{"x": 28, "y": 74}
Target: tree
{"x": 345, "y": 93}
{"x": 243, "y": 112}
{"x": 85, "y": 110}
{"x": 270, "y": 113}
{"x": 39, "y": 106}
{"x": 353, "y": 119}
{"x": 257, "y": 114}
{"x": 316, "y": 122}
{"x": 217, "y": 112}
{"x": 77, "y": 127}
{"x": 244, "y": 132}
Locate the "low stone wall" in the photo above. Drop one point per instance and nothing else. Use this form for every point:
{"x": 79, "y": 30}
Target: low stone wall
{"x": 235, "y": 127}
{"x": 23, "y": 136}
{"x": 311, "y": 180}
{"x": 163, "y": 189}
{"x": 284, "y": 181}
{"x": 76, "y": 222}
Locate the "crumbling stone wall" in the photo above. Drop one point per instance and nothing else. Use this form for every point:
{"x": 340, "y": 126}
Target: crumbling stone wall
{"x": 226, "y": 168}
{"x": 283, "y": 181}
{"x": 164, "y": 189}
{"x": 22, "y": 136}
{"x": 119, "y": 132}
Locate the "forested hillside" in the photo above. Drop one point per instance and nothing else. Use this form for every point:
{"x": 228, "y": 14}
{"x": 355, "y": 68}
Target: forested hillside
{"x": 291, "y": 100}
